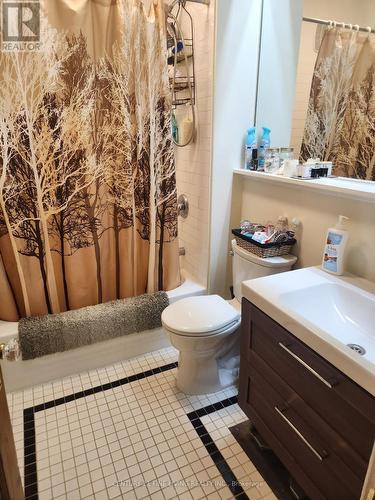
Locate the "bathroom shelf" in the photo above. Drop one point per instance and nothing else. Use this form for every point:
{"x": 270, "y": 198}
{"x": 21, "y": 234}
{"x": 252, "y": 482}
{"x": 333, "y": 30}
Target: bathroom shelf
{"x": 343, "y": 187}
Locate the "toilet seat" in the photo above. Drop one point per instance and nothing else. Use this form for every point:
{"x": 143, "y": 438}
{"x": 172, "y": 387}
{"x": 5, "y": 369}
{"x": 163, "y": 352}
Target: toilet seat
{"x": 231, "y": 326}
{"x": 202, "y": 316}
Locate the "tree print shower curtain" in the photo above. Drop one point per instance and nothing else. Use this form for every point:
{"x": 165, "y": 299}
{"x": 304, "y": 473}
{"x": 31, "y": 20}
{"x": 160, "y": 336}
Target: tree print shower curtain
{"x": 88, "y": 208}
{"x": 340, "y": 123}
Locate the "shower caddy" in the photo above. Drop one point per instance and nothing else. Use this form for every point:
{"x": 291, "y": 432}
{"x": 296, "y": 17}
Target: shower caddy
{"x": 182, "y": 87}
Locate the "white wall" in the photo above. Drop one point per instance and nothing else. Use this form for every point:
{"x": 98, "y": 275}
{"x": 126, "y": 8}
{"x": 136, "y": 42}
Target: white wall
{"x": 236, "y": 55}
{"x": 235, "y": 60}
{"x": 258, "y": 200}
{"x": 278, "y": 66}
{"x": 193, "y": 162}
{"x": 317, "y": 212}
{"x": 360, "y": 12}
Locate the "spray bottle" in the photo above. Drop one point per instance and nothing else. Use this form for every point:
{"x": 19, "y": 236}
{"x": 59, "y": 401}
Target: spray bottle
{"x": 250, "y": 148}
{"x": 265, "y": 144}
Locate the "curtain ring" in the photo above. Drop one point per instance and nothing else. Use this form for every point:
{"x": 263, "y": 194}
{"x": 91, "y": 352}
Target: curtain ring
{"x": 356, "y": 27}
{"x": 368, "y": 28}
{"x": 350, "y": 26}
{"x": 343, "y": 25}
{"x": 334, "y": 24}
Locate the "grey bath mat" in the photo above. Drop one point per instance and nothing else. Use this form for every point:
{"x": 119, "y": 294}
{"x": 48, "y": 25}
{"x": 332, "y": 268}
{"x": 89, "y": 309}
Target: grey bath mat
{"x": 42, "y": 335}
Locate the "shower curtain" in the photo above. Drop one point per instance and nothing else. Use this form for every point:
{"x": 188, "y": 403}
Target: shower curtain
{"x": 340, "y": 123}
{"x": 88, "y": 208}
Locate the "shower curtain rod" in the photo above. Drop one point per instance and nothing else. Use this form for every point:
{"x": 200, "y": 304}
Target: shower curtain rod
{"x": 183, "y": 2}
{"x": 344, "y": 25}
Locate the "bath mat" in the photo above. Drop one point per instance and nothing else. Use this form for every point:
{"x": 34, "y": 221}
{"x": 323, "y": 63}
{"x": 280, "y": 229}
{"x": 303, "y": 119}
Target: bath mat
{"x": 42, "y": 335}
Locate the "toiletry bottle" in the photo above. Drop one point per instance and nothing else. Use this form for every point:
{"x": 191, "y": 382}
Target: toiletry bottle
{"x": 175, "y": 128}
{"x": 265, "y": 144}
{"x": 333, "y": 256}
{"x": 186, "y": 131}
{"x": 250, "y": 148}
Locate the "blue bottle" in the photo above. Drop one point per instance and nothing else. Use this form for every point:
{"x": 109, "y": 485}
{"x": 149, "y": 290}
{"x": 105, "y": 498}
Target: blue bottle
{"x": 251, "y": 145}
{"x": 265, "y": 144}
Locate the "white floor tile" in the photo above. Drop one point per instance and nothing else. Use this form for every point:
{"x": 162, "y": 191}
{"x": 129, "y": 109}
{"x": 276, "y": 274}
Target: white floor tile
{"x": 131, "y": 441}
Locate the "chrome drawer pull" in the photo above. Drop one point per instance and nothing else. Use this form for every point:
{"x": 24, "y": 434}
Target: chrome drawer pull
{"x": 305, "y": 365}
{"x": 310, "y": 446}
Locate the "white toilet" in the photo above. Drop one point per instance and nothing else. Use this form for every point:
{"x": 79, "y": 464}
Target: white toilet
{"x": 205, "y": 329}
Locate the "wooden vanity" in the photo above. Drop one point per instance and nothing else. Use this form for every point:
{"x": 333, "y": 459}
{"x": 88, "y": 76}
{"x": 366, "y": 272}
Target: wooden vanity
{"x": 319, "y": 423}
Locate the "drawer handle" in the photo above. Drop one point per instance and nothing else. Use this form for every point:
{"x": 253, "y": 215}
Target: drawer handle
{"x": 294, "y": 428}
{"x": 311, "y": 370}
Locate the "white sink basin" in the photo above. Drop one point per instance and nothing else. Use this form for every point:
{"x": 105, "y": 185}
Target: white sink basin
{"x": 345, "y": 314}
{"x": 327, "y": 313}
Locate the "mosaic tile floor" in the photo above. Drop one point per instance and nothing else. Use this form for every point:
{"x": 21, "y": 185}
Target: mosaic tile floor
{"x": 125, "y": 431}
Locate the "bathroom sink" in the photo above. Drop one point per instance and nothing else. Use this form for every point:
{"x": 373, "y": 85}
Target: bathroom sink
{"x": 335, "y": 316}
{"x": 344, "y": 314}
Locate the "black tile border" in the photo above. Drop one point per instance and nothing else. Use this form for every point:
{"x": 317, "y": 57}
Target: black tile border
{"x": 221, "y": 464}
{"x": 30, "y": 472}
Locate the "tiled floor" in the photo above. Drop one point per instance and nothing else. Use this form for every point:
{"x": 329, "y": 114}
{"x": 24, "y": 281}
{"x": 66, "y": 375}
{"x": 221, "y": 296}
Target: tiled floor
{"x": 125, "y": 431}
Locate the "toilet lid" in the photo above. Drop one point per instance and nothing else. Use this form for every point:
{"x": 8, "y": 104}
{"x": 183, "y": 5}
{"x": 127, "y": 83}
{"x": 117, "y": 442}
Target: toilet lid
{"x": 203, "y": 314}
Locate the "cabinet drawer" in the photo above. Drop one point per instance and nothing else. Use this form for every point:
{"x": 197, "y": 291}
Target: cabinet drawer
{"x": 337, "y": 399}
{"x": 350, "y": 460}
{"x": 278, "y": 408}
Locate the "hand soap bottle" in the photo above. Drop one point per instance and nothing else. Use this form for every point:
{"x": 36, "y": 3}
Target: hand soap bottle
{"x": 333, "y": 257}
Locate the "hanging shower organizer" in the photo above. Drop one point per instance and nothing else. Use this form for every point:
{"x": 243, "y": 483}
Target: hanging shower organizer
{"x": 181, "y": 62}
{"x": 181, "y": 56}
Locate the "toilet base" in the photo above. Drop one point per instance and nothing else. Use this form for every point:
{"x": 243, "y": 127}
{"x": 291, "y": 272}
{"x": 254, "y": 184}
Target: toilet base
{"x": 205, "y": 371}
{"x": 195, "y": 377}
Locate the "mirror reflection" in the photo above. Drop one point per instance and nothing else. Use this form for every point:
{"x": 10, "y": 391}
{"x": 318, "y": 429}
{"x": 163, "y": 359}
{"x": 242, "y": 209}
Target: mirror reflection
{"x": 326, "y": 82}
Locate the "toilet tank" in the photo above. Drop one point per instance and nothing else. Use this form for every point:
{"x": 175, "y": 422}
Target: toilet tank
{"x": 247, "y": 266}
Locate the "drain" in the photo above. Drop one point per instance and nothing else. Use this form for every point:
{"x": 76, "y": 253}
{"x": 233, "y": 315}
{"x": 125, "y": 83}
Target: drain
{"x": 357, "y": 348}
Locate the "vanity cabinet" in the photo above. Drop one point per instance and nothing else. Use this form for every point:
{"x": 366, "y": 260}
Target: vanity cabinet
{"x": 318, "y": 422}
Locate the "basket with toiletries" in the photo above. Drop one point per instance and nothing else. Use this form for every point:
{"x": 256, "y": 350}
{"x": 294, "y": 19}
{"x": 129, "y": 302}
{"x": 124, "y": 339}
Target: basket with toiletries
{"x": 265, "y": 240}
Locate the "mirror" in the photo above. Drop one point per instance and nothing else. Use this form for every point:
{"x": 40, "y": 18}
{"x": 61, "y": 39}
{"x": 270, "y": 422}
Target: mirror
{"x": 316, "y": 83}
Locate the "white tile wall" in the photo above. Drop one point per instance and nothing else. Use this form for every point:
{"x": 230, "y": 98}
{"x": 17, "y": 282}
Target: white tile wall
{"x": 305, "y": 68}
{"x": 193, "y": 162}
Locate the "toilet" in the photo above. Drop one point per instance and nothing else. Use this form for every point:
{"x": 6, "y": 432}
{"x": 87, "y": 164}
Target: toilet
{"x": 205, "y": 329}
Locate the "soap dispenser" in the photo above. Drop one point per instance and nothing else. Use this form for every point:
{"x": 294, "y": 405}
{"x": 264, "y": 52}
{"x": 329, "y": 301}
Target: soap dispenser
{"x": 333, "y": 256}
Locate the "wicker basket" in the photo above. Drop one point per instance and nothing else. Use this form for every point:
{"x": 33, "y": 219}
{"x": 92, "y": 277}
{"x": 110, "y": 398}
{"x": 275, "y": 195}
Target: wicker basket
{"x": 262, "y": 249}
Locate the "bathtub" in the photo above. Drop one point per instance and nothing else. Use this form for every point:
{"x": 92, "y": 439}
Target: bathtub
{"x": 23, "y": 374}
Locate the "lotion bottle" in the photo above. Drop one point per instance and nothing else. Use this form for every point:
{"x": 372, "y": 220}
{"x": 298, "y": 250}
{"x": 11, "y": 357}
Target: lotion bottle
{"x": 333, "y": 256}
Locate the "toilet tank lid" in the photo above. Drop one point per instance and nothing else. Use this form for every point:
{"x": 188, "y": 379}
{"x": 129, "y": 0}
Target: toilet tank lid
{"x": 202, "y": 314}
{"x": 275, "y": 262}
